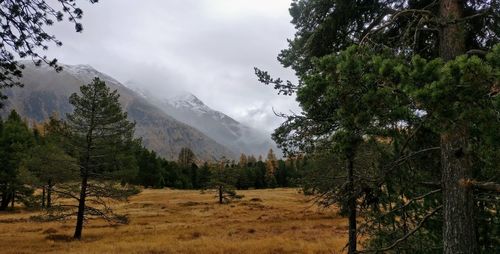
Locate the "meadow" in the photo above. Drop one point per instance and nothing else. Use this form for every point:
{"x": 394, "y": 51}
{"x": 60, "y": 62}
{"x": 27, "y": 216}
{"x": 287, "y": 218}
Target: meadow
{"x": 185, "y": 221}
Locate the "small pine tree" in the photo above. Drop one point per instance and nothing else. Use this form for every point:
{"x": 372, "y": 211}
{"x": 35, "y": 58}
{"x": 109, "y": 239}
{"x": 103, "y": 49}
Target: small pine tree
{"x": 222, "y": 181}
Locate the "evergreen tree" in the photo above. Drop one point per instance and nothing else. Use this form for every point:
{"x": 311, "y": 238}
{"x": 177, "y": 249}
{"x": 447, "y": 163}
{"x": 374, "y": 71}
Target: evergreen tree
{"x": 252, "y": 161}
{"x": 50, "y": 165}
{"x": 102, "y": 138}
{"x": 282, "y": 174}
{"x": 431, "y": 29}
{"x": 15, "y": 140}
{"x": 195, "y": 177}
{"x": 222, "y": 181}
{"x": 150, "y": 172}
{"x": 205, "y": 175}
{"x": 23, "y": 33}
{"x": 260, "y": 175}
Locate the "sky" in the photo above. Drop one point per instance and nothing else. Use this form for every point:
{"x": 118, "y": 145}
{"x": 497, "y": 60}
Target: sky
{"x": 206, "y": 47}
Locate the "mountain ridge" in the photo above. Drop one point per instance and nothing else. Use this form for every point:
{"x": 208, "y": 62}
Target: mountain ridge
{"x": 46, "y": 92}
{"x": 189, "y": 109}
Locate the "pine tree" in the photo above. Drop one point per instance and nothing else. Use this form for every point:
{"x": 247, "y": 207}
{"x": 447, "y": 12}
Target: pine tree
{"x": 150, "y": 173}
{"x": 15, "y": 140}
{"x": 23, "y": 33}
{"x": 252, "y": 160}
{"x": 223, "y": 180}
{"x": 50, "y": 165}
{"x": 431, "y": 29}
{"x": 101, "y": 136}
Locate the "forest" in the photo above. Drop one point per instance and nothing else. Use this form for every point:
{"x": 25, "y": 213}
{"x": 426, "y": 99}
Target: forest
{"x": 399, "y": 132}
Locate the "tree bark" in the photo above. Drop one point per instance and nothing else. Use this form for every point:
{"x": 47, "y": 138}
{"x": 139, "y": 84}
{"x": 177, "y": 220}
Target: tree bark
{"x": 459, "y": 227}
{"x": 13, "y": 200}
{"x": 459, "y": 230}
{"x": 351, "y": 206}
{"x": 452, "y": 34}
{"x": 43, "y": 196}
{"x": 5, "y": 201}
{"x": 49, "y": 194}
{"x": 81, "y": 210}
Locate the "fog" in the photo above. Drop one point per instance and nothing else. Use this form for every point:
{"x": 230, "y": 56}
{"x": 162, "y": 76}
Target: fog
{"x": 206, "y": 47}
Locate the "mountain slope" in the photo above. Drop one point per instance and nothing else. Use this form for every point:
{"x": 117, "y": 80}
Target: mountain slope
{"x": 190, "y": 110}
{"x": 47, "y": 92}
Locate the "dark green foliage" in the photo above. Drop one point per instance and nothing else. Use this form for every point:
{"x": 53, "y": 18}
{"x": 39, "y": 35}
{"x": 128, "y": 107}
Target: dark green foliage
{"x": 50, "y": 165}
{"x": 325, "y": 26}
{"x": 205, "y": 175}
{"x": 393, "y": 91}
{"x": 434, "y": 118}
{"x": 156, "y": 172}
{"x": 102, "y": 139}
{"x": 150, "y": 169}
{"x": 222, "y": 182}
{"x": 23, "y": 33}
{"x": 15, "y": 141}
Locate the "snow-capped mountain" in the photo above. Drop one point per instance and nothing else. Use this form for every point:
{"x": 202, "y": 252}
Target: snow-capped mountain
{"x": 190, "y": 110}
{"x": 86, "y": 73}
{"x": 46, "y": 92}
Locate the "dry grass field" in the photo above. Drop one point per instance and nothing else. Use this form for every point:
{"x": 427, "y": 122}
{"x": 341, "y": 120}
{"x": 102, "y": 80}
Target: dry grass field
{"x": 179, "y": 221}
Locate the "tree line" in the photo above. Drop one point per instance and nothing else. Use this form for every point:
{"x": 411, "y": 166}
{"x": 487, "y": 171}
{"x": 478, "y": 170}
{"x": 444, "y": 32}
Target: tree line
{"x": 92, "y": 157}
{"x": 188, "y": 173}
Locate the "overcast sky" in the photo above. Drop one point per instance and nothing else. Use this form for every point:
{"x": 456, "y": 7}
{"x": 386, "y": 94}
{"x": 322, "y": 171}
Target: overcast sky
{"x": 206, "y": 47}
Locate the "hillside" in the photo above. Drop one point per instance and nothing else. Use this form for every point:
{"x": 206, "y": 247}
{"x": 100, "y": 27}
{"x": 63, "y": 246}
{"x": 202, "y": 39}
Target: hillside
{"x": 46, "y": 92}
{"x": 190, "y": 110}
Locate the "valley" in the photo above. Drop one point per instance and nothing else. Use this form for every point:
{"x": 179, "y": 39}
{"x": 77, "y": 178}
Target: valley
{"x": 188, "y": 221}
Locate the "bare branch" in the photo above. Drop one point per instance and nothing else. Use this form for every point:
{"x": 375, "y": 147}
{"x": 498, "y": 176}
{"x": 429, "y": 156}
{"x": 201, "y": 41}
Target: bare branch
{"x": 402, "y": 239}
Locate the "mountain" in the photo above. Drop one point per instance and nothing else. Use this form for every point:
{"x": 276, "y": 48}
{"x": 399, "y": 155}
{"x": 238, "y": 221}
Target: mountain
{"x": 46, "y": 92}
{"x": 190, "y": 110}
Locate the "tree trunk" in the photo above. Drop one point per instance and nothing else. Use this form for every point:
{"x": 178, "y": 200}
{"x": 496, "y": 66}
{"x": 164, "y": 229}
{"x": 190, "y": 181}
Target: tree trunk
{"x": 5, "y": 201}
{"x": 43, "y": 196}
{"x": 13, "y": 200}
{"x": 81, "y": 210}
{"x": 351, "y": 205}
{"x": 220, "y": 195}
{"x": 49, "y": 194}
{"x": 452, "y": 34}
{"x": 459, "y": 230}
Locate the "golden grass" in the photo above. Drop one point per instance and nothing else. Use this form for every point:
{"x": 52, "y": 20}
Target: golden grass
{"x": 179, "y": 221}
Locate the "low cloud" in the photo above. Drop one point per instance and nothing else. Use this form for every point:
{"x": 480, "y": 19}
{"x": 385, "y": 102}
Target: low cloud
{"x": 206, "y": 47}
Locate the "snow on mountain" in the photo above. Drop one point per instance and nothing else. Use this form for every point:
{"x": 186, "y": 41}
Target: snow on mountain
{"x": 190, "y": 101}
{"x": 190, "y": 110}
{"x": 86, "y": 73}
{"x": 46, "y": 92}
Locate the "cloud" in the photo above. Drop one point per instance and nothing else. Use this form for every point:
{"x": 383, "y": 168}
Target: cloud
{"x": 206, "y": 47}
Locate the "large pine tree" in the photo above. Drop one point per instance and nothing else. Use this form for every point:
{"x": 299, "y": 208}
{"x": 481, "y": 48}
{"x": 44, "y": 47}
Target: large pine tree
{"x": 443, "y": 29}
{"x": 101, "y": 136}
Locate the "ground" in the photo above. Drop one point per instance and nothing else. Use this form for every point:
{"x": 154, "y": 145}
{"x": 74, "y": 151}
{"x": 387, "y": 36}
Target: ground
{"x": 180, "y": 221}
